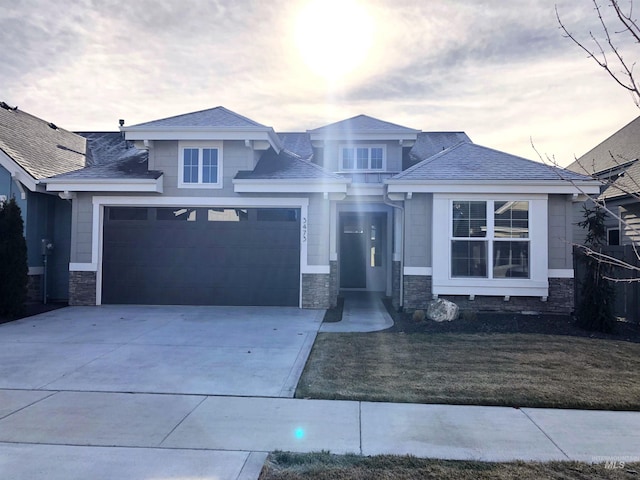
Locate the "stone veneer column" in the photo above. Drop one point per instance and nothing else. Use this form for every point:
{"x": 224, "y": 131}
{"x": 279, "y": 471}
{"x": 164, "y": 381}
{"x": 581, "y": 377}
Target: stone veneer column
{"x": 417, "y": 292}
{"x": 395, "y": 284}
{"x": 316, "y": 290}
{"x": 82, "y": 288}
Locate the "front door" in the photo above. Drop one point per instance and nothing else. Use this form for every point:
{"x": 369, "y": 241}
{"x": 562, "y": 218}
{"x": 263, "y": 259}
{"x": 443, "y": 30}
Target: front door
{"x": 363, "y": 251}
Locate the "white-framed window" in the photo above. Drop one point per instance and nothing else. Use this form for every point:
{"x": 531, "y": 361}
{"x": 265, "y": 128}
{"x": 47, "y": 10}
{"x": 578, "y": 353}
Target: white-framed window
{"x": 491, "y": 245}
{"x": 200, "y": 165}
{"x": 362, "y": 157}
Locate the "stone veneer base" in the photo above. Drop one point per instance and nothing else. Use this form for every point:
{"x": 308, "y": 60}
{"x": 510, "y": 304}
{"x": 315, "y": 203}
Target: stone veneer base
{"x": 82, "y": 288}
{"x": 417, "y": 295}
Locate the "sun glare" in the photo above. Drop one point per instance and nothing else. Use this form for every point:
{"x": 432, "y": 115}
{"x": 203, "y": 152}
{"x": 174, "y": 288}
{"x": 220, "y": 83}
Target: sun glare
{"x": 334, "y": 37}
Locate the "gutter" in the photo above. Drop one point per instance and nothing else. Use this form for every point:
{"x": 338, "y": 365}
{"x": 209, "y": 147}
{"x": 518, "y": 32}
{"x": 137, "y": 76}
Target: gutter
{"x": 402, "y": 249}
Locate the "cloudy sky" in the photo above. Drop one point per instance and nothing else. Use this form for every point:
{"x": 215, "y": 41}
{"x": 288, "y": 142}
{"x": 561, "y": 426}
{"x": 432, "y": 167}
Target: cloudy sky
{"x": 501, "y": 71}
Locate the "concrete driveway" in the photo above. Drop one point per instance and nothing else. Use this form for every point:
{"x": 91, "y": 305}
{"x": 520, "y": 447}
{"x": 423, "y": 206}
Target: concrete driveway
{"x": 241, "y": 351}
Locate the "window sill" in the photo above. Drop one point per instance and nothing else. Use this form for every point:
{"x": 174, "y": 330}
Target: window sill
{"x": 200, "y": 185}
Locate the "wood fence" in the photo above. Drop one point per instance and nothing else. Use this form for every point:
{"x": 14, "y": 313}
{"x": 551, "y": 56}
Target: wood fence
{"x": 627, "y": 301}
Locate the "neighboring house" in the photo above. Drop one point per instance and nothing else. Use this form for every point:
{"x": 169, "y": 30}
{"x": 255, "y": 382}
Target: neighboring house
{"x": 616, "y": 162}
{"x": 31, "y": 150}
{"x": 211, "y": 207}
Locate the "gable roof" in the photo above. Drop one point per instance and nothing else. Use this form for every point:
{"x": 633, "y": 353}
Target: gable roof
{"x": 218, "y": 117}
{"x": 363, "y": 127}
{"x": 468, "y": 161}
{"x": 216, "y": 124}
{"x": 619, "y": 149}
{"x": 40, "y": 148}
{"x": 363, "y": 123}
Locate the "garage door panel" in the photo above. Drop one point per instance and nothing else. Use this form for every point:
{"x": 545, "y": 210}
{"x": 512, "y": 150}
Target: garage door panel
{"x": 202, "y": 262}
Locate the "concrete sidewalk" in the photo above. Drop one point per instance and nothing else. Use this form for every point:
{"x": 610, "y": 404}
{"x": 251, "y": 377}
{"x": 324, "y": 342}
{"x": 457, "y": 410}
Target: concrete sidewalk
{"x": 89, "y": 434}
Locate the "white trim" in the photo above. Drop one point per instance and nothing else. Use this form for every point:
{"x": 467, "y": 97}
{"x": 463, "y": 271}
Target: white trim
{"x": 36, "y": 271}
{"x": 365, "y": 189}
{"x": 317, "y": 269}
{"x": 83, "y": 267}
{"x": 493, "y": 187}
{"x": 419, "y": 271}
{"x": 290, "y": 186}
{"x": 204, "y": 133}
{"x": 99, "y": 202}
{"x": 200, "y": 146}
{"x": 560, "y": 273}
{"x": 354, "y": 146}
{"x": 106, "y": 185}
{"x": 330, "y": 135}
{"x": 443, "y": 283}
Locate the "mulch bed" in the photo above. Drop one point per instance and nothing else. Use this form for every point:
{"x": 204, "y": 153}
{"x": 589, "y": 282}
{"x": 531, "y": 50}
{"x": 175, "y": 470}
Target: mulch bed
{"x": 497, "y": 322}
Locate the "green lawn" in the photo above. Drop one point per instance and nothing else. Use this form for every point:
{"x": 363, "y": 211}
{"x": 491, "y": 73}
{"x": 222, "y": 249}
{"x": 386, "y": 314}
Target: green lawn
{"x": 527, "y": 370}
{"x": 324, "y": 466}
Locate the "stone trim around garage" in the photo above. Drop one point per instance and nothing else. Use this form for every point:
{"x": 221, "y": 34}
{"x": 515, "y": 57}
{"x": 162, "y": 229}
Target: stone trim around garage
{"x": 317, "y": 291}
{"x": 82, "y": 288}
{"x": 417, "y": 295}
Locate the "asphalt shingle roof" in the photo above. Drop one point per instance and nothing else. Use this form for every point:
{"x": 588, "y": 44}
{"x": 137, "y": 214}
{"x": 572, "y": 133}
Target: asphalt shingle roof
{"x": 468, "y": 161}
{"x": 112, "y": 157}
{"x": 429, "y": 143}
{"x": 39, "y": 147}
{"x": 363, "y": 123}
{"x": 620, "y": 148}
{"x": 214, "y": 117}
{"x": 298, "y": 143}
{"x": 286, "y": 166}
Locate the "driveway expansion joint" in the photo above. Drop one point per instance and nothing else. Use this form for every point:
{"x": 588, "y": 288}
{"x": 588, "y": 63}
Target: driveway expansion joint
{"x": 544, "y": 433}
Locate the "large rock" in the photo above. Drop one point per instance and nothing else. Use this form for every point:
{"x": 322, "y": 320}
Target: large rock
{"x": 442, "y": 310}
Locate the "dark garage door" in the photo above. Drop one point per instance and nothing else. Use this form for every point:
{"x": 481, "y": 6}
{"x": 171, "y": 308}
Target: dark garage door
{"x": 201, "y": 256}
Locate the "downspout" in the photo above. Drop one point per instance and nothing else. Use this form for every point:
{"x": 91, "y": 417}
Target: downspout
{"x": 402, "y": 244}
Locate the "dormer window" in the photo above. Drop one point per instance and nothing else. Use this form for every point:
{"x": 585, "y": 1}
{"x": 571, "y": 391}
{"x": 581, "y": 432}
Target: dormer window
{"x": 200, "y": 165}
{"x": 362, "y": 157}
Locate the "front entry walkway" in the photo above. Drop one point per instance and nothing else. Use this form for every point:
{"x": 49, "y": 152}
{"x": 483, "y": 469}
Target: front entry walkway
{"x": 363, "y": 312}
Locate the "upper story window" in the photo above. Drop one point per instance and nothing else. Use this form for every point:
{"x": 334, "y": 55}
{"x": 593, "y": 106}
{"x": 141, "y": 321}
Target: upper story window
{"x": 362, "y": 157}
{"x": 200, "y": 165}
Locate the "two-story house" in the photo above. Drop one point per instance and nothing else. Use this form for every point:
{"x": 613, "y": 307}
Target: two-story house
{"x": 225, "y": 211}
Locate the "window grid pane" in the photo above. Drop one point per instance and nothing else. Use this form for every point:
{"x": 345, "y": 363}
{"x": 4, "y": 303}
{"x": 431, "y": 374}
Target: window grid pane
{"x": 469, "y": 219}
{"x": 347, "y": 158}
{"x": 511, "y": 259}
{"x": 190, "y": 166}
{"x": 511, "y": 219}
{"x": 362, "y": 158}
{"x": 209, "y": 165}
{"x": 469, "y": 258}
{"x": 376, "y": 158}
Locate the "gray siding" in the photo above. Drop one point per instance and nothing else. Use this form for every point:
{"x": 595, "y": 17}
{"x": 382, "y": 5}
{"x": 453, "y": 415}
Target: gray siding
{"x": 418, "y": 219}
{"x": 630, "y": 233}
{"x": 561, "y": 213}
{"x": 9, "y": 189}
{"x": 318, "y": 230}
{"x": 82, "y": 221}
{"x": 235, "y": 156}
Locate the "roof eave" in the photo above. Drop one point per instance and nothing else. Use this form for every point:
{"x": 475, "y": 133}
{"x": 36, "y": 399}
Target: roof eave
{"x": 303, "y": 185}
{"x": 204, "y": 133}
{"x": 495, "y": 186}
{"x": 105, "y": 185}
